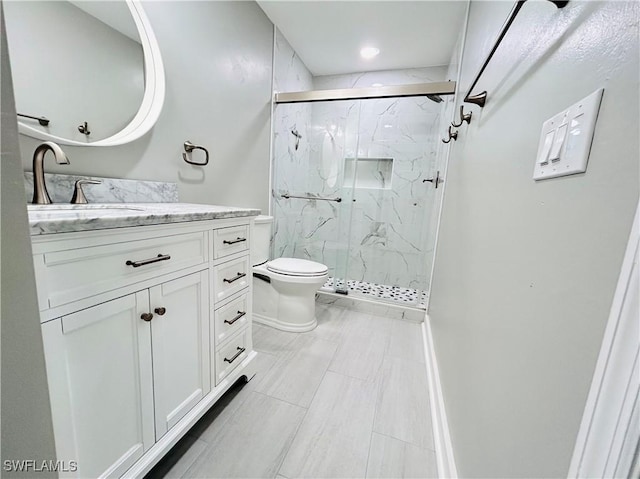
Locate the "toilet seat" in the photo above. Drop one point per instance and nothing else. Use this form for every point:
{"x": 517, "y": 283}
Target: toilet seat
{"x": 296, "y": 267}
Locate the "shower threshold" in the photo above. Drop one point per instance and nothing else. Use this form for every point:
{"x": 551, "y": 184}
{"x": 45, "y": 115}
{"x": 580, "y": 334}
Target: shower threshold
{"x": 379, "y": 292}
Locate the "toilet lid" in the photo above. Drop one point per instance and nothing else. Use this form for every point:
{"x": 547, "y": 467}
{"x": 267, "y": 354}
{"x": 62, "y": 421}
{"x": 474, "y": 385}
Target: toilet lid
{"x": 296, "y": 267}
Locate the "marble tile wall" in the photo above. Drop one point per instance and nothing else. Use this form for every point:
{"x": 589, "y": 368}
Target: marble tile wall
{"x": 110, "y": 190}
{"x": 378, "y": 233}
{"x": 388, "y": 225}
{"x": 290, "y": 153}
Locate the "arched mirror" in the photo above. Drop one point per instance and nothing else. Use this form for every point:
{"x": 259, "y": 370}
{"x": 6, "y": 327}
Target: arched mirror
{"x": 85, "y": 73}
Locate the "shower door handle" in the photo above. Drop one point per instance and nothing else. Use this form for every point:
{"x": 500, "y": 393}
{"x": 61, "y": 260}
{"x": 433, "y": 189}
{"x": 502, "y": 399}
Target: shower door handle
{"x": 436, "y": 181}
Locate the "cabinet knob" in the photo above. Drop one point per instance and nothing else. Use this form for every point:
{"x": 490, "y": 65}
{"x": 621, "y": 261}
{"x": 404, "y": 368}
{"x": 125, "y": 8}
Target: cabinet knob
{"x": 146, "y": 316}
{"x": 160, "y": 311}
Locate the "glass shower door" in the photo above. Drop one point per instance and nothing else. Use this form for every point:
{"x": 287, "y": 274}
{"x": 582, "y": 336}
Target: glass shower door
{"x": 337, "y": 125}
{"x": 391, "y": 237}
{"x": 350, "y": 192}
{"x": 311, "y": 202}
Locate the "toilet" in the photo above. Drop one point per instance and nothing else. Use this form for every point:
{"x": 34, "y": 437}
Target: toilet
{"x": 284, "y": 289}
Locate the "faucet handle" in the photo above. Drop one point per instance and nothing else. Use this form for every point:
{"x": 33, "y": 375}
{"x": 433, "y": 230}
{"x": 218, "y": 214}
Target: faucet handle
{"x": 78, "y": 195}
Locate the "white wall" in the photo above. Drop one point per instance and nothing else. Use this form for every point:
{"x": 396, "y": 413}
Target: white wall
{"x": 217, "y": 57}
{"x": 525, "y": 271}
{"x": 26, "y": 418}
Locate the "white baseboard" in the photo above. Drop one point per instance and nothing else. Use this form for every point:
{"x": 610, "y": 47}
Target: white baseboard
{"x": 442, "y": 439}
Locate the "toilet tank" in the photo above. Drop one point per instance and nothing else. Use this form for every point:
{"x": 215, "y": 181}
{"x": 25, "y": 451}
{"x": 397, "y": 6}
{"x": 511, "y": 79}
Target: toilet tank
{"x": 261, "y": 240}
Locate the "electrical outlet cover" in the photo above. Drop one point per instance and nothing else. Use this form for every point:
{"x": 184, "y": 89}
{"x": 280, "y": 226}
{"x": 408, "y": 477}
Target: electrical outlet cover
{"x": 573, "y": 131}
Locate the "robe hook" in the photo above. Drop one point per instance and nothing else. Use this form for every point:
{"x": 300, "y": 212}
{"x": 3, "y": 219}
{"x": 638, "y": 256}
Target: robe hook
{"x": 453, "y": 135}
{"x": 463, "y": 117}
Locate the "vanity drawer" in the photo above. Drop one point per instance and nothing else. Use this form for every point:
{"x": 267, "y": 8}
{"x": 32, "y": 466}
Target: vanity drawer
{"x": 232, "y": 354}
{"x": 73, "y": 274}
{"x": 231, "y": 240}
{"x": 231, "y": 317}
{"x": 231, "y": 277}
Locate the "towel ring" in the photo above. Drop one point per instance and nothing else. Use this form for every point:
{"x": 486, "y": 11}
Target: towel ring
{"x": 189, "y": 147}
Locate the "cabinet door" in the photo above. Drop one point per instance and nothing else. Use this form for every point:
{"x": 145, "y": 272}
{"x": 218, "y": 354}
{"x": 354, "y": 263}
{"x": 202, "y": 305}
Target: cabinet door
{"x": 100, "y": 385}
{"x": 180, "y": 344}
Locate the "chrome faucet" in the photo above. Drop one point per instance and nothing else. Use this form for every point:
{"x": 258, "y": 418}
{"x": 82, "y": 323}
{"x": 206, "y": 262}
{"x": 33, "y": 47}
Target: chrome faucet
{"x": 40, "y": 193}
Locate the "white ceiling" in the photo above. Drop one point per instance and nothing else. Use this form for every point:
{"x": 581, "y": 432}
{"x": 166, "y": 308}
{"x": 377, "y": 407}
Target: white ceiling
{"x": 328, "y": 35}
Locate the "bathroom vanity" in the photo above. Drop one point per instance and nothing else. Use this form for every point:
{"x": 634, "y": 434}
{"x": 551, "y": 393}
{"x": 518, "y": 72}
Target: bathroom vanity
{"x": 146, "y": 322}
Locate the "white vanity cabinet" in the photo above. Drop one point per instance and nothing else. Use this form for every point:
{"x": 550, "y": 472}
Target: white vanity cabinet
{"x": 231, "y": 313}
{"x": 134, "y": 350}
{"x": 180, "y": 347}
{"x": 101, "y": 386}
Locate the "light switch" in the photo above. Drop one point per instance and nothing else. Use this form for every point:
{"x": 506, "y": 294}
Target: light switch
{"x": 554, "y": 154}
{"x": 565, "y": 141}
{"x": 543, "y": 157}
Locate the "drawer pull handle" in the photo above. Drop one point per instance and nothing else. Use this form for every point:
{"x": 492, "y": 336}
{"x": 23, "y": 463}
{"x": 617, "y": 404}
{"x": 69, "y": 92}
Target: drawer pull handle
{"x": 144, "y": 262}
{"x": 240, "y": 314}
{"x": 237, "y": 240}
{"x": 240, "y": 351}
{"x": 146, "y": 316}
{"x": 160, "y": 311}
{"x": 240, "y": 275}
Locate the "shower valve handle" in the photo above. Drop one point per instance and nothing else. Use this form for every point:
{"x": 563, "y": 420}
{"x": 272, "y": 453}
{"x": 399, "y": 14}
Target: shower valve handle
{"x": 436, "y": 181}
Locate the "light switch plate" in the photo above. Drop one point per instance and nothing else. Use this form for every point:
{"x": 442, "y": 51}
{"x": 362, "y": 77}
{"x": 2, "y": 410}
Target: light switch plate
{"x": 572, "y": 132}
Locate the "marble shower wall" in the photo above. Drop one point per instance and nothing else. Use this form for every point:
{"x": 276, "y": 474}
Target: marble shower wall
{"x": 389, "y": 238}
{"x": 380, "y": 231}
{"x": 290, "y": 163}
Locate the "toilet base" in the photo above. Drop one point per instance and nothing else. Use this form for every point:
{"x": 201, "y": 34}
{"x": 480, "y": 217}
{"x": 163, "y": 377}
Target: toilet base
{"x": 284, "y": 326}
{"x": 286, "y": 303}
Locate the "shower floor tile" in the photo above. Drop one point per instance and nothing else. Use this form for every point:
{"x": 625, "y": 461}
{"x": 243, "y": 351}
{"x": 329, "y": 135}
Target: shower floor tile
{"x": 381, "y": 292}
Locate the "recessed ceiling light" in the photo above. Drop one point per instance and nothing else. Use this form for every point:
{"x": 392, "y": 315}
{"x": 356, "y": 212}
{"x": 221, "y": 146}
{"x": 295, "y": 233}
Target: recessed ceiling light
{"x": 377, "y": 84}
{"x": 369, "y": 52}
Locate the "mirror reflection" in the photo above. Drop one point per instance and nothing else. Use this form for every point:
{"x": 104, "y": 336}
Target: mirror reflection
{"x": 78, "y": 64}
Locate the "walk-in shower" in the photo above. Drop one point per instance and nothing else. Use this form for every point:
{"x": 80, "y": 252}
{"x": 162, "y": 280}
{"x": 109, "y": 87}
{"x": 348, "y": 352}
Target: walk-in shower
{"x": 353, "y": 186}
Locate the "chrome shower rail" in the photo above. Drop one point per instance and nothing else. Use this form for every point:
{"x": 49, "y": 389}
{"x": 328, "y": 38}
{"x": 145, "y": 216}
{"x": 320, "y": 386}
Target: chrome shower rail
{"x": 288, "y": 196}
{"x": 392, "y": 91}
{"x": 481, "y": 98}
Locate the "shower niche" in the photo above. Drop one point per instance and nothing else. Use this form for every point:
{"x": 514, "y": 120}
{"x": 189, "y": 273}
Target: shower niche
{"x": 370, "y": 173}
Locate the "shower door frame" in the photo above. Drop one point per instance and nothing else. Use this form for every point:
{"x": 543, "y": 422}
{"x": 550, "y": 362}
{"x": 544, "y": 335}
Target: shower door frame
{"x": 391, "y": 91}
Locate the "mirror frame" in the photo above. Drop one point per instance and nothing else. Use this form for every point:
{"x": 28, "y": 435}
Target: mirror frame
{"x": 152, "y": 100}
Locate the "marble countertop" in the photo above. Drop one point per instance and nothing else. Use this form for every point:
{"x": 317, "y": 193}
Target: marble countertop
{"x": 65, "y": 218}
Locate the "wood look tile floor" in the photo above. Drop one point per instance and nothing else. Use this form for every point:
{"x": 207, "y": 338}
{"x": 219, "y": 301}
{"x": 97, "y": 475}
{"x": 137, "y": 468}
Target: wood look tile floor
{"x": 347, "y": 400}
